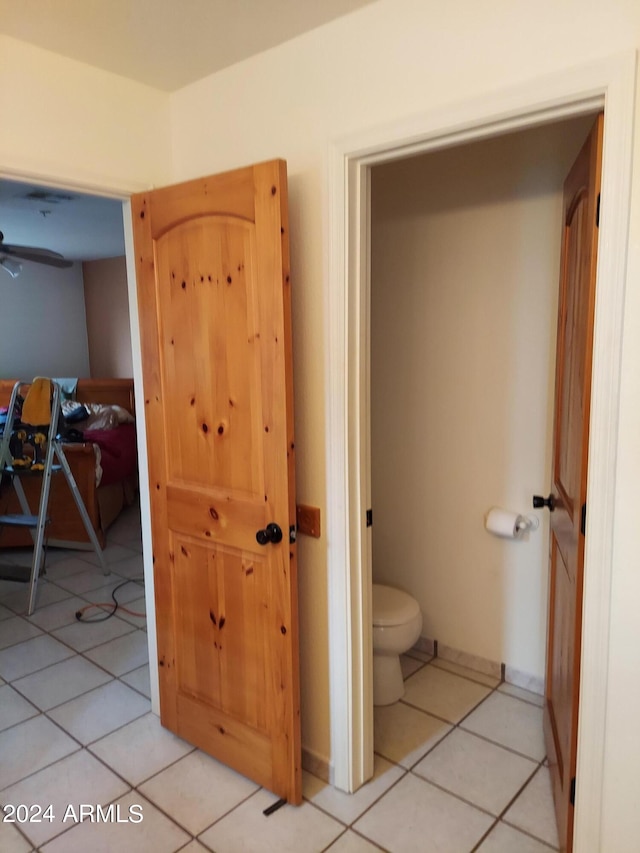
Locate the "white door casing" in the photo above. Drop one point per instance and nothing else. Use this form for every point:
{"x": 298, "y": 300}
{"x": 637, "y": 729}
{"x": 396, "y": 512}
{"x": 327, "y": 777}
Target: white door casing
{"x": 608, "y": 83}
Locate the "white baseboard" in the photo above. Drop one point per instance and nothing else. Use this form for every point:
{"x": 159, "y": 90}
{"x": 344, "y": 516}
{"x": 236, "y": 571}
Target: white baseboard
{"x": 533, "y": 683}
{"x": 425, "y": 646}
{"x": 488, "y": 667}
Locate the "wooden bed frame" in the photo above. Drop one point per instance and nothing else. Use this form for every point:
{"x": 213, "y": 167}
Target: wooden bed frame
{"x": 103, "y": 503}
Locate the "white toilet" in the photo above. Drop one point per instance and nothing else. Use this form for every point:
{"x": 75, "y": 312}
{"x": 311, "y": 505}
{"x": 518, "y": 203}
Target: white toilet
{"x": 397, "y": 622}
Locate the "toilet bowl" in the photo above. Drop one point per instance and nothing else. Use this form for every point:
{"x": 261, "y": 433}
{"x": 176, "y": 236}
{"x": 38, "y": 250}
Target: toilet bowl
{"x": 397, "y": 622}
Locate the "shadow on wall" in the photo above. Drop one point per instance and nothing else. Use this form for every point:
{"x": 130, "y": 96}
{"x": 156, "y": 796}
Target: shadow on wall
{"x": 465, "y": 260}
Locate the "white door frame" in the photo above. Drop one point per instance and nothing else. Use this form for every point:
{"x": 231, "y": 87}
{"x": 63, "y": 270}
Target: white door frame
{"x": 609, "y": 83}
{"x": 121, "y": 192}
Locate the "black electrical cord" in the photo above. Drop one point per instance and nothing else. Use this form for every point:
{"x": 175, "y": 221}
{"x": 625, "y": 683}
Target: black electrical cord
{"x": 115, "y": 606}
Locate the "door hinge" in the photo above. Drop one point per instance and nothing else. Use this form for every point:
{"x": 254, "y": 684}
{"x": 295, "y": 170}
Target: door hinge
{"x": 292, "y": 534}
{"x": 369, "y": 517}
{"x": 572, "y": 792}
{"x": 583, "y": 519}
{"x": 598, "y": 212}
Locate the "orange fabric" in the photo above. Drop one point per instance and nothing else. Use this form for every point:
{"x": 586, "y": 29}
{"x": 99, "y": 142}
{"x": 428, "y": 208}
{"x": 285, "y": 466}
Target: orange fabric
{"x": 36, "y": 409}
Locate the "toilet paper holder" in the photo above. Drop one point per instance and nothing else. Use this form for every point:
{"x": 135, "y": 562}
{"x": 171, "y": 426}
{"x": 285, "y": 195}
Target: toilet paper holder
{"x": 508, "y": 524}
{"x": 526, "y": 523}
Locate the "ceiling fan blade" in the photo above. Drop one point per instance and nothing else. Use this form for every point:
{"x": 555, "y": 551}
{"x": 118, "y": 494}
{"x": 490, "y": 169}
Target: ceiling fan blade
{"x": 38, "y": 256}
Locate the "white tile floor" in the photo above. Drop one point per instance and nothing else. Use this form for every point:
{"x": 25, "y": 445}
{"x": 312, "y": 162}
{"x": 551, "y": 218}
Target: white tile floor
{"x": 458, "y": 766}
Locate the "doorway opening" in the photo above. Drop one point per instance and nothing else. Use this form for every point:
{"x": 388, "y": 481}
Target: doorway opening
{"x": 607, "y": 84}
{"x": 83, "y": 323}
{"x": 465, "y": 254}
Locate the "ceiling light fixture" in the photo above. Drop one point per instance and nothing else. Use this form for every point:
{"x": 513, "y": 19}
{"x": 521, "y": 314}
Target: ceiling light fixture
{"x": 14, "y": 268}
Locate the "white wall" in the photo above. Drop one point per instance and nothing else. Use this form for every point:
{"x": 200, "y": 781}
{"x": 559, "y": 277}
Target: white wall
{"x": 66, "y": 121}
{"x": 465, "y": 261}
{"x": 107, "y": 305}
{"x": 66, "y": 124}
{"x": 43, "y": 331}
{"x": 386, "y": 62}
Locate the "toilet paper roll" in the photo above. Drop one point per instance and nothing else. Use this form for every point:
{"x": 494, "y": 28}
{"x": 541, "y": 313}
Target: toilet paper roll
{"x": 504, "y": 523}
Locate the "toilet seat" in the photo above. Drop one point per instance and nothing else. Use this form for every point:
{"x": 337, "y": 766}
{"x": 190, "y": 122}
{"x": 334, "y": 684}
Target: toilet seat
{"x": 392, "y": 606}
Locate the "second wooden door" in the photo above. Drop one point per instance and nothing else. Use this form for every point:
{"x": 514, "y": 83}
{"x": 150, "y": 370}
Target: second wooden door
{"x": 570, "y": 461}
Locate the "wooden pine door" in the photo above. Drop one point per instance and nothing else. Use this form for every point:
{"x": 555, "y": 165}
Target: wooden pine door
{"x": 570, "y": 457}
{"x": 212, "y": 261}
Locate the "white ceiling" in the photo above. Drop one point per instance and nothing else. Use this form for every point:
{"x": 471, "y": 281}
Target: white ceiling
{"x": 80, "y": 227}
{"x": 165, "y": 43}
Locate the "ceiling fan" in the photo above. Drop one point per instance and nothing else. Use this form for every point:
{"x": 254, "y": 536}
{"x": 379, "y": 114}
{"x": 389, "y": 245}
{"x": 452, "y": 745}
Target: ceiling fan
{"x": 11, "y": 256}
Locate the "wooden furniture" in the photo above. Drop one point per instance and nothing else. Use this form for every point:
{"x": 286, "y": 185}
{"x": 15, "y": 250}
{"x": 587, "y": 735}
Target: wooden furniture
{"x": 103, "y": 503}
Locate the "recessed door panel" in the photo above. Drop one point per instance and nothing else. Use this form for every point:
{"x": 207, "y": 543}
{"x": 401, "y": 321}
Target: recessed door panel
{"x": 211, "y": 370}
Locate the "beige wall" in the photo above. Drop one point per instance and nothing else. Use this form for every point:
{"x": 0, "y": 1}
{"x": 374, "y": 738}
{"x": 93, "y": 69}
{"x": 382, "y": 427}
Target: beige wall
{"x": 68, "y": 121}
{"x": 388, "y": 61}
{"x": 42, "y": 323}
{"x": 465, "y": 260}
{"x": 107, "y": 306}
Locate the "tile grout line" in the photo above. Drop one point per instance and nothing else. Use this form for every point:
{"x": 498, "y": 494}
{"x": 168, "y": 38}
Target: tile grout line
{"x": 69, "y": 734}
{"x": 22, "y": 835}
{"x": 146, "y": 779}
{"x": 350, "y": 825}
{"x": 433, "y": 661}
{"x": 456, "y": 796}
{"x": 89, "y": 743}
{"x": 44, "y": 632}
{"x": 226, "y": 814}
{"x": 69, "y": 595}
{"x": 130, "y": 787}
{"x": 359, "y": 835}
{"x": 499, "y": 818}
{"x": 454, "y": 726}
{"x": 334, "y": 840}
{"x": 529, "y": 835}
{"x": 347, "y": 827}
{"x": 87, "y": 747}
{"x": 539, "y": 763}
{"x": 44, "y": 711}
{"x": 71, "y": 657}
{"x": 512, "y": 802}
{"x": 458, "y": 724}
{"x": 485, "y": 836}
{"x": 174, "y": 820}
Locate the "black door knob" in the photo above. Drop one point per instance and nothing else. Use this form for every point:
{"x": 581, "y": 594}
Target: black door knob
{"x": 539, "y": 502}
{"x": 271, "y": 533}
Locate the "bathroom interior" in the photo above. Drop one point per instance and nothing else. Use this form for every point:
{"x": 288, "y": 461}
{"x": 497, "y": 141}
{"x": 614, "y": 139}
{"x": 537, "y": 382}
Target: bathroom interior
{"x": 465, "y": 260}
{"x": 465, "y": 252}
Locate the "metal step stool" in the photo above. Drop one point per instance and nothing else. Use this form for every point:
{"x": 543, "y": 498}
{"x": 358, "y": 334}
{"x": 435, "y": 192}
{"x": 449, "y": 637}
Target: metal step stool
{"x": 37, "y": 523}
